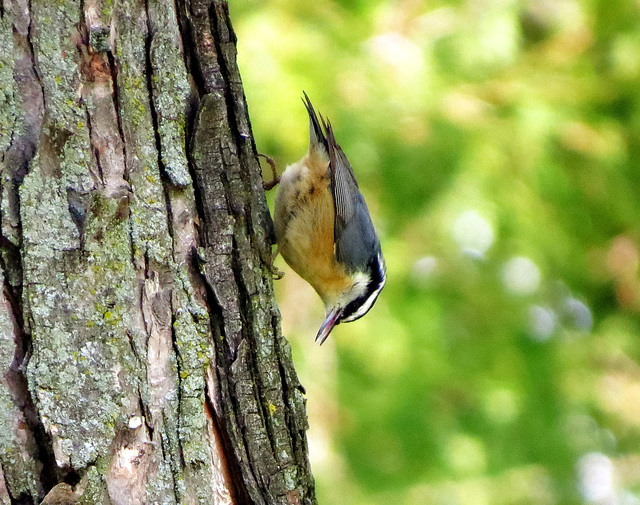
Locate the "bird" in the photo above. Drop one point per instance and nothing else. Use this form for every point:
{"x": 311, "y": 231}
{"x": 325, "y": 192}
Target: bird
{"x": 324, "y": 230}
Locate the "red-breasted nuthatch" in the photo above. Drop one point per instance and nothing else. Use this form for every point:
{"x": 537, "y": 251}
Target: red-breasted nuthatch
{"x": 324, "y": 230}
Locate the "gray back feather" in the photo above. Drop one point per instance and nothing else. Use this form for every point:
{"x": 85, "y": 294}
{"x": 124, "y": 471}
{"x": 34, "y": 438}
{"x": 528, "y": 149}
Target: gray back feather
{"x": 355, "y": 237}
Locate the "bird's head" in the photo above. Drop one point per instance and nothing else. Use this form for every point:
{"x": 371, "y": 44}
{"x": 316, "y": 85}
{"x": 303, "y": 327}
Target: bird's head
{"x": 356, "y": 299}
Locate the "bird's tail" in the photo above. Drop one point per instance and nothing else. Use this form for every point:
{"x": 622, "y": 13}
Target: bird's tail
{"x": 317, "y": 137}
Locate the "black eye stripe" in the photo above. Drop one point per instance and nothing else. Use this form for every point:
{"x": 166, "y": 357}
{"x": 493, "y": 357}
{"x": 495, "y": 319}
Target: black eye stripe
{"x": 376, "y": 270}
{"x": 353, "y": 307}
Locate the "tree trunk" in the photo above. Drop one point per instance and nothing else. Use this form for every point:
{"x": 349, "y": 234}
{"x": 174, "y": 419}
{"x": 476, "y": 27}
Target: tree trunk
{"x": 140, "y": 345}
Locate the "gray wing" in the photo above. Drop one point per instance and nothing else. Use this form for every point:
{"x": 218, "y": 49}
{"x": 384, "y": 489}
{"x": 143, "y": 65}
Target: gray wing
{"x": 356, "y": 240}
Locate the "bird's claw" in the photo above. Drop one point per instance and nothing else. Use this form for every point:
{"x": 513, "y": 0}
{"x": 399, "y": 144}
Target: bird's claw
{"x": 276, "y": 273}
{"x": 276, "y": 178}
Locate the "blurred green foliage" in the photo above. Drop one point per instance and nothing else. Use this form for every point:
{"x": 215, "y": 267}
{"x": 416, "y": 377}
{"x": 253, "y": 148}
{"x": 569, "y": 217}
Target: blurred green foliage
{"x": 498, "y": 145}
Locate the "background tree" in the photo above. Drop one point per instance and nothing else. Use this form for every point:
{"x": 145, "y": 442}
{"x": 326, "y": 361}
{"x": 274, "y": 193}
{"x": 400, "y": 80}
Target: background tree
{"x": 141, "y": 353}
{"x": 497, "y": 144}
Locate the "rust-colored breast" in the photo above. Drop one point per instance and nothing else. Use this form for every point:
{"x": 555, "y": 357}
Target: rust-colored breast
{"x": 304, "y": 218}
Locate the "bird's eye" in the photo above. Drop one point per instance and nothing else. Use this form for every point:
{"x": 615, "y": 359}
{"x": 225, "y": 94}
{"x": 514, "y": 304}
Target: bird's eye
{"x": 361, "y": 305}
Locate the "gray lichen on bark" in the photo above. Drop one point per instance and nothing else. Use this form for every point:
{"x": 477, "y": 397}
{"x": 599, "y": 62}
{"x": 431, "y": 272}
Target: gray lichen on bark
{"x": 140, "y": 344}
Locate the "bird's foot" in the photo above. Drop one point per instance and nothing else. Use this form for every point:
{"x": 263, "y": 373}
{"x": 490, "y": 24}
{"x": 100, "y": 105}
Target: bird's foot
{"x": 267, "y": 185}
{"x": 276, "y": 273}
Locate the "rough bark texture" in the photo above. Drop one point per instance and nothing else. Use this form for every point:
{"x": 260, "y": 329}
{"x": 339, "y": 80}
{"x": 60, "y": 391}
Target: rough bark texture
{"x": 141, "y": 356}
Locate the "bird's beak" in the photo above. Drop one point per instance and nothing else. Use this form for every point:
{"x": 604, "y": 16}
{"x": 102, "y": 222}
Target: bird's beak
{"x": 332, "y": 319}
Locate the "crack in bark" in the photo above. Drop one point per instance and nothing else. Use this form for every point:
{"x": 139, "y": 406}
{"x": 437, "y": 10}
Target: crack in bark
{"x": 214, "y": 22}
{"x": 216, "y": 315}
{"x": 189, "y": 46}
{"x": 190, "y": 56}
{"x": 36, "y": 71}
{"x": 236, "y": 469}
{"x": 149, "y": 71}
{"x": 21, "y": 499}
{"x": 94, "y": 151}
{"x": 174, "y": 471}
{"x": 115, "y": 93}
{"x": 145, "y": 414}
{"x": 239, "y": 494}
{"x": 299, "y": 444}
{"x": 246, "y": 314}
{"x": 17, "y": 383}
{"x": 18, "y": 388}
{"x": 176, "y": 350}
{"x": 238, "y": 114}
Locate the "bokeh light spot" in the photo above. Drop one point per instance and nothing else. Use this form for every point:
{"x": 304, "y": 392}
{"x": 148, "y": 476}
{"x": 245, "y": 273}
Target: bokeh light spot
{"x": 521, "y": 276}
{"x": 596, "y": 478}
{"x": 578, "y": 313}
{"x": 473, "y": 233}
{"x": 467, "y": 455}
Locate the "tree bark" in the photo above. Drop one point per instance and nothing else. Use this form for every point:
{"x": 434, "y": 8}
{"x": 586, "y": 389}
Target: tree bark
{"x": 140, "y": 346}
